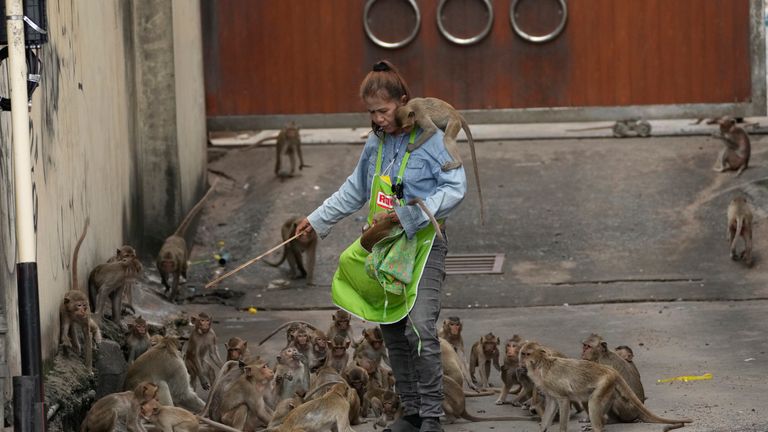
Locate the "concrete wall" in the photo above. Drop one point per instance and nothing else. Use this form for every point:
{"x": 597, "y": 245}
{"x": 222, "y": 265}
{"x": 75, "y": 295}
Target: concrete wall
{"x": 118, "y": 113}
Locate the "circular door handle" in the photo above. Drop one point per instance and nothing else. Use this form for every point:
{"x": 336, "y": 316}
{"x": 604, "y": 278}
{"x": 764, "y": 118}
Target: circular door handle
{"x": 538, "y": 39}
{"x": 465, "y": 41}
{"x": 391, "y": 45}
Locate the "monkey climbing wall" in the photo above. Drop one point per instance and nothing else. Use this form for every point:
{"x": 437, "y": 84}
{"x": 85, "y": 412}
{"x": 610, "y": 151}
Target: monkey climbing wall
{"x": 611, "y": 59}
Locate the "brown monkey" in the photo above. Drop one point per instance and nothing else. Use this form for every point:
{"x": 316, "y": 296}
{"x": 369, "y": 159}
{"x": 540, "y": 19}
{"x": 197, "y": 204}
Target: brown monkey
{"x": 129, "y": 253}
{"x": 357, "y": 379}
{"x": 237, "y": 349}
{"x": 107, "y": 283}
{"x": 175, "y": 419}
{"x": 451, "y": 332}
{"x": 735, "y": 155}
{"x": 163, "y": 365}
{"x": 454, "y": 404}
{"x": 137, "y": 341}
{"x": 385, "y": 405}
{"x": 242, "y": 402}
{"x": 291, "y": 373}
{"x": 302, "y": 341}
{"x": 384, "y": 222}
{"x": 339, "y": 357}
{"x": 319, "y": 351}
{"x": 431, "y": 114}
{"x": 292, "y": 251}
{"x": 372, "y": 348}
{"x": 116, "y": 409}
{"x": 201, "y": 357}
{"x": 329, "y": 412}
{"x": 452, "y": 368}
{"x": 341, "y": 325}
{"x": 283, "y": 408}
{"x": 292, "y": 327}
{"x": 568, "y": 380}
{"x": 628, "y": 355}
{"x": 740, "y": 225}
{"x": 173, "y": 255}
{"x": 484, "y": 353}
{"x": 595, "y": 349}
{"x": 75, "y": 313}
{"x": 509, "y": 368}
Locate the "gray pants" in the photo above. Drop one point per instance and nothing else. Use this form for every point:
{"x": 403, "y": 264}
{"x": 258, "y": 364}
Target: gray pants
{"x": 419, "y": 374}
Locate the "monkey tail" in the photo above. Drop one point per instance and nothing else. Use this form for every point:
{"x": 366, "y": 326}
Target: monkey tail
{"x": 217, "y": 425}
{"x": 739, "y": 229}
{"x": 471, "y": 140}
{"x": 320, "y": 387}
{"x": 76, "y": 251}
{"x": 188, "y": 218}
{"x": 260, "y": 142}
{"x": 429, "y": 214}
{"x": 645, "y": 414}
{"x": 274, "y": 332}
{"x": 481, "y": 393}
{"x": 278, "y": 262}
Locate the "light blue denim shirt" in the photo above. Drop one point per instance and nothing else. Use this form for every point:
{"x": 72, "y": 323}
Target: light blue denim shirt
{"x": 423, "y": 178}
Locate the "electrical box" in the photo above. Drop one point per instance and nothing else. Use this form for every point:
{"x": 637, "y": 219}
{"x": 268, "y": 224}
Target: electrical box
{"x": 34, "y": 11}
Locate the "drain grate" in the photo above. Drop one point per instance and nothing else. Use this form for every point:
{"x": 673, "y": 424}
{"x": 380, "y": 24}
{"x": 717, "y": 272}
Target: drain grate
{"x": 473, "y": 263}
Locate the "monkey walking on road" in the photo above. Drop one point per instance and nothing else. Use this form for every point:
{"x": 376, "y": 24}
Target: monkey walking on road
{"x": 740, "y": 226}
{"x": 173, "y": 255}
{"x": 288, "y": 144}
{"x": 430, "y": 114}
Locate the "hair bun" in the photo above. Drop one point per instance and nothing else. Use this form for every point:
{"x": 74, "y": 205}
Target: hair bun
{"x": 381, "y": 67}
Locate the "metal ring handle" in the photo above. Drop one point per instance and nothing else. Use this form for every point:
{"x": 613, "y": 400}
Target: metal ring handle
{"x": 465, "y": 41}
{"x": 538, "y": 39}
{"x": 391, "y": 45}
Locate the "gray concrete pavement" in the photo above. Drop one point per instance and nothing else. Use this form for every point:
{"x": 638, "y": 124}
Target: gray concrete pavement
{"x": 623, "y": 237}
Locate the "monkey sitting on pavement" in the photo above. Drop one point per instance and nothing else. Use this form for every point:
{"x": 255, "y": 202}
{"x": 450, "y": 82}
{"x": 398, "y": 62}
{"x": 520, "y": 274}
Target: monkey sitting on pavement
{"x": 735, "y": 155}
{"x": 740, "y": 226}
{"x": 201, "y": 357}
{"x": 176, "y": 419}
{"x": 431, "y": 114}
{"x": 567, "y": 380}
{"x": 293, "y": 250}
{"x": 137, "y": 341}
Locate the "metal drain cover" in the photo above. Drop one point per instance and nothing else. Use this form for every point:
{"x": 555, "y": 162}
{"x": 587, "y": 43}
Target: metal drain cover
{"x": 473, "y": 263}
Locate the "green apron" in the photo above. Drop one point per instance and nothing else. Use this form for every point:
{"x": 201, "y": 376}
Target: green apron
{"x": 352, "y": 288}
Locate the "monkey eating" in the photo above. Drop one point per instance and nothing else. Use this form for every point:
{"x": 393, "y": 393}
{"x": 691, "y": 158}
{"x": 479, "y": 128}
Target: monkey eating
{"x": 431, "y": 114}
{"x": 568, "y": 380}
{"x": 293, "y": 250}
{"x": 740, "y": 226}
{"x": 75, "y": 313}
{"x": 735, "y": 155}
{"x": 173, "y": 255}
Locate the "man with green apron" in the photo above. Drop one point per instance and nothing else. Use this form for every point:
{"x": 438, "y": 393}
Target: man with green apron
{"x": 398, "y": 283}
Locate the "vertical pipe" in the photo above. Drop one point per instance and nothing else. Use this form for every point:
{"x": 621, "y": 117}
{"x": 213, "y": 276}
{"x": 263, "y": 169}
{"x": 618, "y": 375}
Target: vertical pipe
{"x": 31, "y": 396}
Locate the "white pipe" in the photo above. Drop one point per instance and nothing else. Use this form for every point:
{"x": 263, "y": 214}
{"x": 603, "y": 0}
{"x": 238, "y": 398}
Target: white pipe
{"x": 22, "y": 161}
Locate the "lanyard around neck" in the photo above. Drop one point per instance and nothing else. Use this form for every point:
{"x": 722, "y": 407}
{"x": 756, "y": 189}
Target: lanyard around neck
{"x": 404, "y": 162}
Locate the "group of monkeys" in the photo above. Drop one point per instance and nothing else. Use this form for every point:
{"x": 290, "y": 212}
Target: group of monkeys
{"x": 331, "y": 381}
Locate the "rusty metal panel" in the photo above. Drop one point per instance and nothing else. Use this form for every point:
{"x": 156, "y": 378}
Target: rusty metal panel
{"x": 645, "y": 58}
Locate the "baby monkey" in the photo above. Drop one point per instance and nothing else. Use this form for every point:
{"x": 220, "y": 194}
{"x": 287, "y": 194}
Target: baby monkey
{"x": 433, "y": 113}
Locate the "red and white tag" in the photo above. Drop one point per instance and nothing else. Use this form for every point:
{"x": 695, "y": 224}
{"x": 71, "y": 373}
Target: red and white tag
{"x": 385, "y": 201}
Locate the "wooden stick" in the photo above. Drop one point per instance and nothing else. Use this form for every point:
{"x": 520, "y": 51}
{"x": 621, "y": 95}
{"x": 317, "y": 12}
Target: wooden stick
{"x": 224, "y": 276}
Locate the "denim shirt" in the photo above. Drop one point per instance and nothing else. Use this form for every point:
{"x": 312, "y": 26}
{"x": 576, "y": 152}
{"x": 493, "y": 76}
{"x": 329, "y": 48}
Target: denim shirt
{"x": 423, "y": 178}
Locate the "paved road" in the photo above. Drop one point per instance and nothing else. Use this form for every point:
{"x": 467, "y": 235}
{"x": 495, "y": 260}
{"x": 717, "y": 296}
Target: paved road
{"x": 623, "y": 237}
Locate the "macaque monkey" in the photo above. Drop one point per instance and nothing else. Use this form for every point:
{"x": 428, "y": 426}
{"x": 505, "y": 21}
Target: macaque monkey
{"x": 319, "y": 351}
{"x": 291, "y": 373}
{"x": 740, "y": 226}
{"x": 128, "y": 252}
{"x": 175, "y": 419}
{"x": 292, "y": 251}
{"x": 289, "y": 334}
{"x": 568, "y": 380}
{"x": 341, "y": 325}
{"x": 119, "y": 409}
{"x": 201, "y": 357}
{"x": 454, "y": 404}
{"x": 452, "y": 367}
{"x": 107, "y": 283}
{"x": 163, "y": 365}
{"x": 283, "y": 408}
{"x": 339, "y": 356}
{"x": 384, "y": 222}
{"x": 237, "y": 349}
{"x": 431, "y": 114}
{"x": 137, "y": 341}
{"x": 75, "y": 313}
{"x": 173, "y": 256}
{"x": 372, "y": 348}
{"x": 451, "y": 332}
{"x": 484, "y": 353}
{"x": 242, "y": 402}
{"x": 302, "y": 341}
{"x": 509, "y": 368}
{"x": 357, "y": 378}
{"x": 628, "y": 355}
{"x": 595, "y": 349}
{"x": 330, "y": 412}
{"x": 385, "y": 405}
{"x": 735, "y": 155}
